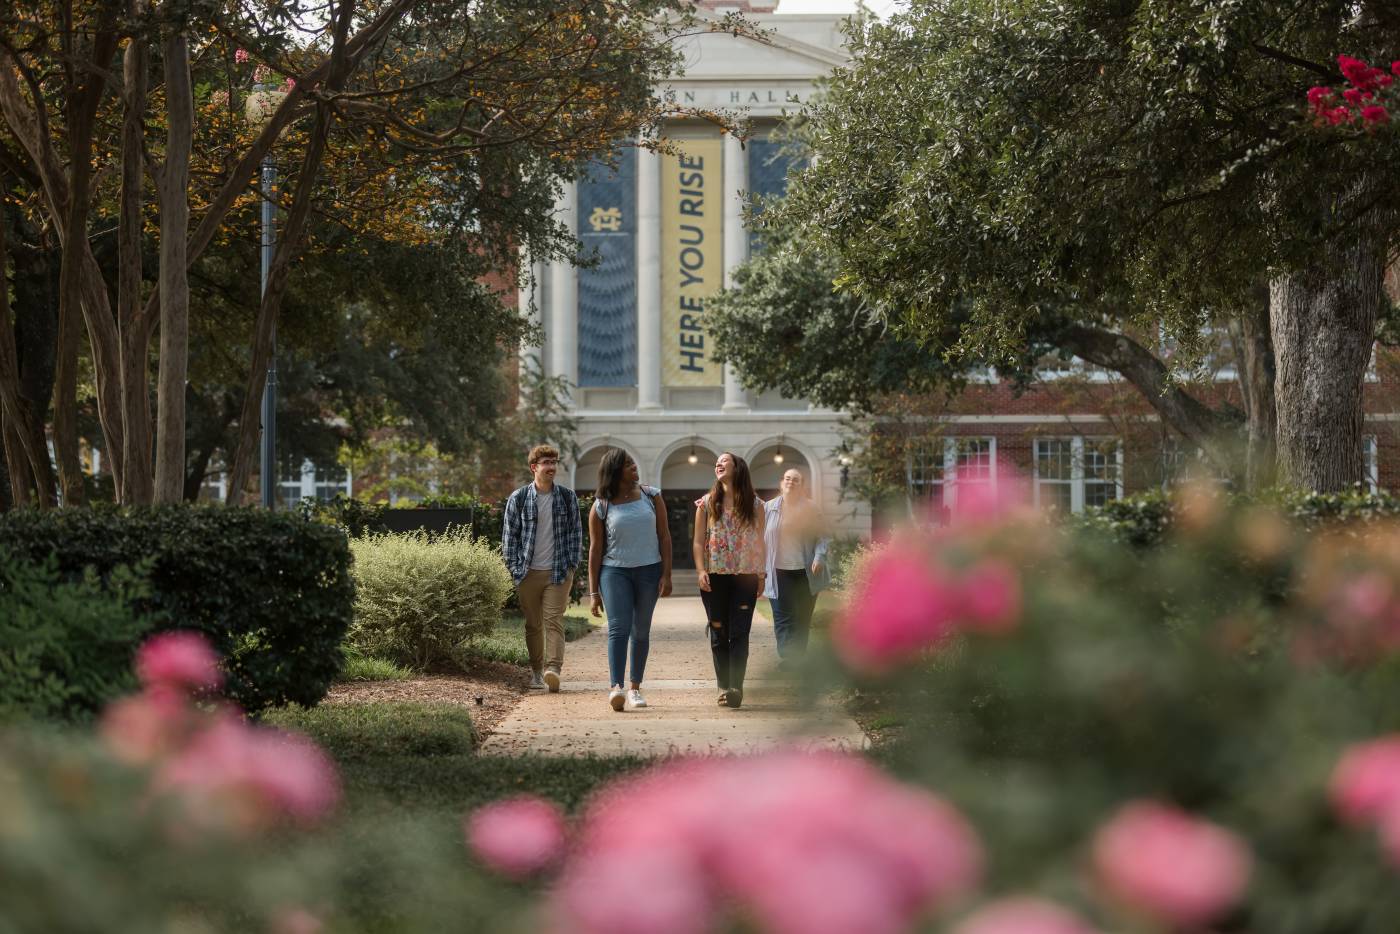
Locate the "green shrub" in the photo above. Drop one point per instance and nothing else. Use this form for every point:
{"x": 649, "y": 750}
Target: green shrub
{"x": 364, "y": 731}
{"x": 65, "y": 646}
{"x": 506, "y": 643}
{"x": 271, "y": 591}
{"x": 420, "y": 600}
{"x": 354, "y": 517}
{"x": 366, "y": 668}
{"x": 1145, "y": 520}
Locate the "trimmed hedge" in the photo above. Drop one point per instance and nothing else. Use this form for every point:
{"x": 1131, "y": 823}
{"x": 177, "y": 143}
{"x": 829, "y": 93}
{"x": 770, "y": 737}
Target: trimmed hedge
{"x": 1145, "y": 520}
{"x": 419, "y": 599}
{"x": 65, "y": 646}
{"x": 271, "y": 591}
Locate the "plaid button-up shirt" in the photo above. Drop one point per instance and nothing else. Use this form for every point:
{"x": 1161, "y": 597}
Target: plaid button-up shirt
{"x": 518, "y": 532}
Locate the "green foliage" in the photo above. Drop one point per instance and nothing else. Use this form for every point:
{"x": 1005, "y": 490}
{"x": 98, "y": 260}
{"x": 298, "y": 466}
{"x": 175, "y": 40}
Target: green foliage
{"x": 374, "y": 731}
{"x": 420, "y": 600}
{"x": 65, "y": 646}
{"x": 355, "y": 517}
{"x": 506, "y": 643}
{"x": 365, "y": 668}
{"x": 1180, "y": 674}
{"x": 271, "y": 591}
{"x": 1145, "y": 520}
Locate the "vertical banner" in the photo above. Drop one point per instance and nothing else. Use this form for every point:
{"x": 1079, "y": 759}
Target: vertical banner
{"x": 607, "y": 291}
{"x": 692, "y": 260}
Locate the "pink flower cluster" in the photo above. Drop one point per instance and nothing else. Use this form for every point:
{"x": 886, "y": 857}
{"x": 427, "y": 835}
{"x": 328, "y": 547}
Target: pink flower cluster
{"x": 907, "y": 603}
{"x": 1169, "y": 865}
{"x": 1358, "y": 103}
{"x": 1365, "y": 790}
{"x": 221, "y": 771}
{"x": 518, "y": 837}
{"x": 798, "y": 843}
{"x": 240, "y": 56}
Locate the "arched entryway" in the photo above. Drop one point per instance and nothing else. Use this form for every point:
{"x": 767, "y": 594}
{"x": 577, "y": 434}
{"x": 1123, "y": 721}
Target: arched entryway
{"x": 769, "y": 460}
{"x": 586, "y": 470}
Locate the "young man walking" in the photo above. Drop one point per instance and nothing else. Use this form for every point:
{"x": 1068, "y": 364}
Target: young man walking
{"x": 542, "y": 541}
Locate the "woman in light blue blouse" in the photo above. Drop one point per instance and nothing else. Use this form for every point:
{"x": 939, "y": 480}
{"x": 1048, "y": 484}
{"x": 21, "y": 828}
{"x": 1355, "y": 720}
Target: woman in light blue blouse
{"x": 629, "y": 568}
{"x": 797, "y": 569}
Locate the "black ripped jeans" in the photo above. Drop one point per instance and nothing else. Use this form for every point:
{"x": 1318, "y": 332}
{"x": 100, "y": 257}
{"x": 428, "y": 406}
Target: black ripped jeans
{"x": 729, "y": 609}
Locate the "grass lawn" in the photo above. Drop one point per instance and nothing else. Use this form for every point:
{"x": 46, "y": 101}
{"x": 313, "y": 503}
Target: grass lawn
{"x": 419, "y": 760}
{"x": 507, "y": 642}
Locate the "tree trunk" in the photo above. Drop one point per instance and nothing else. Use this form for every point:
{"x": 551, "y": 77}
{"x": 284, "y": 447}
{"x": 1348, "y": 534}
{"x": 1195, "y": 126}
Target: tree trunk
{"x": 16, "y": 465}
{"x": 174, "y": 182}
{"x": 249, "y": 422}
{"x": 134, "y": 325}
{"x": 65, "y": 401}
{"x": 1324, "y": 328}
{"x": 1257, "y": 380}
{"x": 26, "y": 450}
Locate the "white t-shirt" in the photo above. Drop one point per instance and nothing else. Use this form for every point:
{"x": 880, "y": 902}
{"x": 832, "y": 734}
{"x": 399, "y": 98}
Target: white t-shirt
{"x": 543, "y": 558}
{"x": 789, "y": 557}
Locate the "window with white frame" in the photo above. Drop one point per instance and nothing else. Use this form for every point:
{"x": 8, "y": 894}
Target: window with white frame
{"x": 308, "y": 481}
{"x": 1075, "y": 473}
{"x": 937, "y": 468}
{"x": 1370, "y": 463}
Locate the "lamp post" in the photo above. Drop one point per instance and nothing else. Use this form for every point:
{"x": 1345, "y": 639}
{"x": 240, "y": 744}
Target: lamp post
{"x": 261, "y": 103}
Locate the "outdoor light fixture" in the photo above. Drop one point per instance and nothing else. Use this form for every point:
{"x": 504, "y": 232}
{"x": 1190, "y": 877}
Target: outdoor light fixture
{"x": 692, "y": 457}
{"x": 778, "y": 457}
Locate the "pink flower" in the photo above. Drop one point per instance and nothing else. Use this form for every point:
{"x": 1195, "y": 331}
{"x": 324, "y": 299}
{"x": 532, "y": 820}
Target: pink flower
{"x": 644, "y": 890}
{"x": 295, "y": 921}
{"x": 517, "y": 837}
{"x": 142, "y": 728}
{"x": 1390, "y": 836}
{"x": 798, "y": 842}
{"x": 261, "y": 73}
{"x": 991, "y": 597}
{"x": 181, "y": 658}
{"x": 219, "y": 99}
{"x": 1375, "y": 114}
{"x": 1365, "y": 785}
{"x": 1168, "y": 864}
{"x": 1360, "y": 74}
{"x": 1395, "y": 68}
{"x": 240, "y": 56}
{"x": 289, "y": 85}
{"x": 1352, "y": 95}
{"x": 1338, "y": 115}
{"x": 243, "y": 777}
{"x": 1023, "y": 916}
{"x": 1319, "y": 97}
{"x": 903, "y": 606}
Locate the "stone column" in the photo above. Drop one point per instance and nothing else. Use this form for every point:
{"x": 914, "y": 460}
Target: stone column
{"x": 563, "y": 297}
{"x": 648, "y": 281}
{"x": 736, "y": 249}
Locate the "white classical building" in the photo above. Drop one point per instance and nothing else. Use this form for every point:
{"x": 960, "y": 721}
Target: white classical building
{"x": 629, "y": 332}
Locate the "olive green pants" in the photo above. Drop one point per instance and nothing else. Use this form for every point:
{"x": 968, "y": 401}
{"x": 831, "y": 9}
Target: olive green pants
{"x": 544, "y": 604}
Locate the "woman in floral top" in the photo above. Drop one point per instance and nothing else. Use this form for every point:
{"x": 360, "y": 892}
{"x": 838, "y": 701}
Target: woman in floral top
{"x": 730, "y": 556}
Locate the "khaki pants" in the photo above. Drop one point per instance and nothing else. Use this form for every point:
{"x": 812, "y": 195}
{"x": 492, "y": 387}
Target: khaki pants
{"x": 544, "y": 604}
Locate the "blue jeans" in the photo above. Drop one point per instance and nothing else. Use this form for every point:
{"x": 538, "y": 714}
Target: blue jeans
{"x": 629, "y": 597}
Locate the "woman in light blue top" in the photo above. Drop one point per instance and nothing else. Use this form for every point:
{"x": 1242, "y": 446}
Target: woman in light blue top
{"x": 629, "y": 568}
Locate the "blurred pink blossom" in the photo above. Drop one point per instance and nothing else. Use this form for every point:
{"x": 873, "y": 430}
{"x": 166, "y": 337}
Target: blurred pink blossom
{"x": 1390, "y": 836}
{"x": 143, "y": 727}
{"x": 247, "y": 777}
{"x": 1171, "y": 865}
{"x": 800, "y": 842}
{"x": 903, "y": 605}
{"x": 1365, "y": 784}
{"x": 517, "y": 837}
{"x": 991, "y": 597}
{"x": 180, "y": 658}
{"x": 240, "y": 56}
{"x": 219, "y": 99}
{"x": 261, "y": 73}
{"x": 289, "y": 85}
{"x": 1023, "y": 916}
{"x": 295, "y": 921}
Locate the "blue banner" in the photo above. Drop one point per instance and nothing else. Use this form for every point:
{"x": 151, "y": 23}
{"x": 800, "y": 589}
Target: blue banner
{"x": 770, "y": 162}
{"x": 607, "y": 290}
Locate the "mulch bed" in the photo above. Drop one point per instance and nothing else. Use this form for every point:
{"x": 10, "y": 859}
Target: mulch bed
{"x": 490, "y": 690}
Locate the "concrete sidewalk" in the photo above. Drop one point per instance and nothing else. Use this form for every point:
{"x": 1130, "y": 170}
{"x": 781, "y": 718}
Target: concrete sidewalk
{"x": 682, "y": 714}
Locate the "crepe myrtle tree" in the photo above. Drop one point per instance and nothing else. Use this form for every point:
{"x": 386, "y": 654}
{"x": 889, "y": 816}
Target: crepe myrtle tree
{"x": 407, "y": 120}
{"x": 1139, "y": 167}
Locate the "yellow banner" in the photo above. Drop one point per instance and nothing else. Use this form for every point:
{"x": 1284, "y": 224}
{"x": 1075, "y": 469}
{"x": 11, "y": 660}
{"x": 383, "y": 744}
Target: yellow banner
{"x": 692, "y": 260}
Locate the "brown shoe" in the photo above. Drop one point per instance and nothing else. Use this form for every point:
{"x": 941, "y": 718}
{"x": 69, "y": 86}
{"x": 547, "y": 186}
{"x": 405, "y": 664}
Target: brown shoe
{"x": 734, "y": 697}
{"x": 724, "y": 698}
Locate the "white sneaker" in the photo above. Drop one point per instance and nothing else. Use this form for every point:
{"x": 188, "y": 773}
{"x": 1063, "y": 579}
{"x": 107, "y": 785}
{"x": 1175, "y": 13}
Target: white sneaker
{"x": 551, "y": 680}
{"x": 616, "y": 697}
{"x": 536, "y": 682}
{"x": 635, "y": 698}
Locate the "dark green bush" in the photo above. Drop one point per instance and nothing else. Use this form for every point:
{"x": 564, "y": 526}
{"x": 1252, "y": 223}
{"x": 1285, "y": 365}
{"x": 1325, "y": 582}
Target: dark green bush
{"x": 271, "y": 591}
{"x": 355, "y": 517}
{"x": 65, "y": 646}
